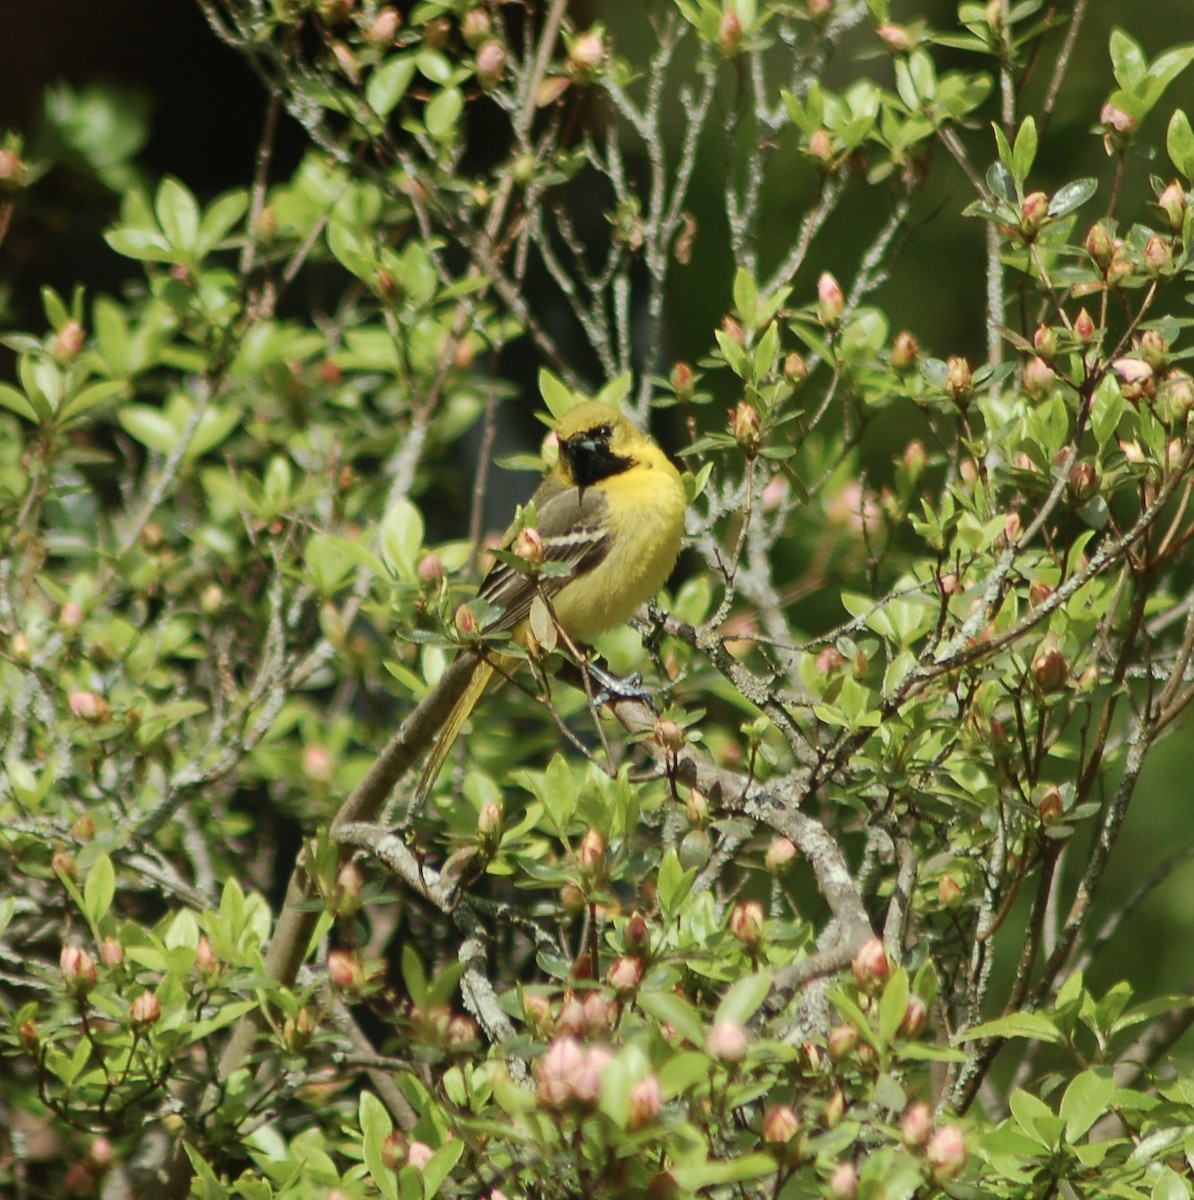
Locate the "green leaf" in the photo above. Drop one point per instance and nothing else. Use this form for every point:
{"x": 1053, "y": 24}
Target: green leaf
{"x": 387, "y": 85}
{"x": 17, "y": 402}
{"x": 1027, "y": 1025}
{"x": 442, "y": 112}
{"x": 556, "y": 394}
{"x": 440, "y": 1165}
{"x": 414, "y": 976}
{"x": 1072, "y": 196}
{"x": 1179, "y": 142}
{"x": 376, "y": 1126}
{"x": 178, "y": 214}
{"x": 700, "y": 1176}
{"x": 1024, "y": 151}
{"x": 1127, "y": 61}
{"x": 675, "y": 1011}
{"x": 746, "y": 297}
{"x": 221, "y": 215}
{"x": 893, "y": 1005}
{"x": 742, "y": 1001}
{"x": 1085, "y": 1101}
{"x": 149, "y": 426}
{"x": 99, "y": 889}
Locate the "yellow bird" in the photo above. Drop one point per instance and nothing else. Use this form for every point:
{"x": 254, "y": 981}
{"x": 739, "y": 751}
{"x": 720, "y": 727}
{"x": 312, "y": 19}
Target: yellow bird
{"x": 612, "y": 511}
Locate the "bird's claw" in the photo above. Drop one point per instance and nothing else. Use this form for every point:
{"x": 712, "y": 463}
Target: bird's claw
{"x": 615, "y": 687}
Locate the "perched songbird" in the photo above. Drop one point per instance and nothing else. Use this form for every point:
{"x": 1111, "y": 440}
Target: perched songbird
{"x": 612, "y": 511}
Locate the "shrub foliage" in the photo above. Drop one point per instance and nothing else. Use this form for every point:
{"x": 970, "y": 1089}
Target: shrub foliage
{"x": 816, "y": 918}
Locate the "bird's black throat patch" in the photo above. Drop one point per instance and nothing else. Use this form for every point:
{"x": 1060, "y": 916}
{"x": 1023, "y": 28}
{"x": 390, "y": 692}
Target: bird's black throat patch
{"x": 591, "y": 458}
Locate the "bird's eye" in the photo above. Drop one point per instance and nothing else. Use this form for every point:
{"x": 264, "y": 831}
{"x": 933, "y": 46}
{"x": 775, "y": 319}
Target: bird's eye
{"x": 605, "y": 433}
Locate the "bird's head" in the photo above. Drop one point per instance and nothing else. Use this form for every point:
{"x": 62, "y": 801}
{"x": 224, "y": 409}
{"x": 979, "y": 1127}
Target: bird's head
{"x": 596, "y": 441}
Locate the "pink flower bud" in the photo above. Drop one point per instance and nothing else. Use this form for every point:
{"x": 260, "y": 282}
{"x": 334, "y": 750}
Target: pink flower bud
{"x": 746, "y": 922}
{"x": 733, "y": 330}
{"x": 69, "y": 341}
{"x": 820, "y": 146}
{"x": 870, "y": 963}
{"x": 946, "y": 1153}
{"x": 1100, "y": 245}
{"x": 745, "y": 426}
{"x": 78, "y": 968}
{"x": 318, "y": 766}
{"x": 491, "y": 64}
{"x": 586, "y": 55}
{"x": 915, "y": 1017}
{"x": 528, "y": 545}
{"x": 555, "y": 1070}
{"x": 795, "y": 370}
{"x": 206, "y": 961}
{"x": 431, "y": 568}
{"x": 780, "y": 1125}
{"x": 145, "y": 1010}
{"x": 636, "y": 936}
{"x": 843, "y": 1183}
{"x": 591, "y": 855}
{"x": 1084, "y": 326}
{"x": 585, "y": 1081}
{"x": 959, "y": 381}
{"x": 646, "y": 1102}
{"x": 418, "y": 1155}
{"x": 669, "y": 735}
{"x": 841, "y": 1041}
{"x": 1039, "y": 377}
{"x": 466, "y": 620}
{"x": 831, "y": 301}
{"x": 598, "y": 1014}
{"x": 917, "y": 1124}
{"x": 780, "y": 854}
{"x": 111, "y": 952}
{"x": 1033, "y": 214}
{"x": 682, "y": 380}
{"x": 343, "y": 969}
{"x": 489, "y": 821}
{"x": 896, "y": 38}
{"x": 475, "y": 28}
{"x": 905, "y": 350}
{"x": 89, "y": 706}
{"x": 1158, "y": 257}
{"x": 1051, "y": 805}
{"x": 1118, "y": 126}
{"x": 727, "y": 1041}
{"x": 1172, "y": 202}
{"x": 626, "y": 974}
{"x": 729, "y": 33}
{"x": 385, "y": 27}
{"x": 1050, "y": 670}
{"x": 1044, "y": 341}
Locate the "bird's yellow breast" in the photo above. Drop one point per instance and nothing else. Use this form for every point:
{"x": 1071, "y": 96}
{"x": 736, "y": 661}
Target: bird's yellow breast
{"x": 645, "y": 512}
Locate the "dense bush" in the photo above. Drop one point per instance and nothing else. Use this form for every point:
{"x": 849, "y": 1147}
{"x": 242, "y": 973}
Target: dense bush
{"x": 819, "y": 920}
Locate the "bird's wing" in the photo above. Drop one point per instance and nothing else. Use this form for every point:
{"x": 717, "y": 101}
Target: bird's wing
{"x": 573, "y": 526}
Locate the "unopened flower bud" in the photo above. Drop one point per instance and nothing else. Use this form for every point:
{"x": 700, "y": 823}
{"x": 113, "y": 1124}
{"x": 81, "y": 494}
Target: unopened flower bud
{"x": 528, "y": 545}
{"x": 346, "y": 902}
{"x": 626, "y": 973}
{"x": 669, "y": 735}
{"x": 780, "y": 1125}
{"x": 1172, "y": 202}
{"x": 1100, "y": 245}
{"x": 682, "y": 380}
{"x": 733, "y": 330}
{"x": 841, "y": 1041}
{"x": 89, "y": 706}
{"x": 1039, "y": 377}
{"x": 896, "y": 38}
{"x": 1044, "y": 342}
{"x": 949, "y": 891}
{"x": 385, "y": 27}
{"x": 696, "y": 808}
{"x": 870, "y": 963}
{"x": 12, "y": 172}
{"x": 1118, "y": 126}
{"x": 905, "y": 350}
{"x": 745, "y": 426}
{"x": 69, "y": 341}
{"x": 1175, "y": 398}
{"x": 1154, "y": 349}
{"x": 418, "y": 1155}
{"x": 1051, "y": 805}
{"x": 1050, "y": 670}
{"x": 1083, "y": 481}
{"x": 70, "y": 617}
{"x": 591, "y": 855}
{"x": 917, "y": 1124}
{"x": 727, "y": 1041}
{"x": 843, "y": 1183}
{"x": 1135, "y": 378}
{"x": 831, "y": 301}
{"x": 835, "y": 1108}
{"x": 111, "y": 952}
{"x": 915, "y": 1017}
{"x": 466, "y": 620}
{"x": 343, "y": 969}
{"x": 1084, "y": 326}
{"x": 1033, "y": 213}
{"x": 206, "y": 960}
{"x": 646, "y": 1102}
{"x": 946, "y": 1153}
{"x": 636, "y": 936}
{"x": 296, "y": 1031}
{"x": 729, "y": 33}
{"x": 394, "y": 1150}
{"x": 820, "y": 147}
{"x": 1158, "y": 257}
{"x": 795, "y": 370}
{"x": 475, "y": 28}
{"x": 586, "y": 55}
{"x": 959, "y": 381}
{"x": 491, "y": 64}
{"x": 746, "y": 922}
{"x": 78, "y": 968}
{"x": 780, "y": 855}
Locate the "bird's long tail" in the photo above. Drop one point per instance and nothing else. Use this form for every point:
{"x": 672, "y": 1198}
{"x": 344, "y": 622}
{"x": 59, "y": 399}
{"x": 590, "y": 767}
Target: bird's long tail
{"x": 452, "y": 727}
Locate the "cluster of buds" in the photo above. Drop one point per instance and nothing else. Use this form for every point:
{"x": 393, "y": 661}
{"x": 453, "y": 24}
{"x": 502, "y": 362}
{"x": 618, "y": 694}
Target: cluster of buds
{"x": 569, "y": 1073}
{"x": 943, "y": 1146}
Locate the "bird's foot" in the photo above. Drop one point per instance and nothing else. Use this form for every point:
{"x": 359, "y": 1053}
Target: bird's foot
{"x": 617, "y": 687}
